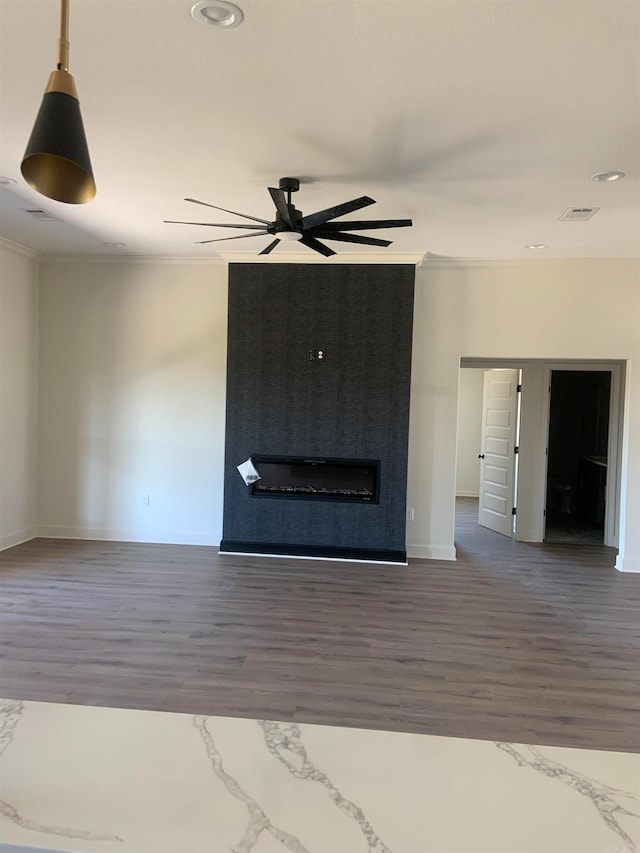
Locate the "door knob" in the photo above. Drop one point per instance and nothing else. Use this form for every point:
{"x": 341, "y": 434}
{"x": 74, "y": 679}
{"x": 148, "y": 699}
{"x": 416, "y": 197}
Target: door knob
{"x": 480, "y": 455}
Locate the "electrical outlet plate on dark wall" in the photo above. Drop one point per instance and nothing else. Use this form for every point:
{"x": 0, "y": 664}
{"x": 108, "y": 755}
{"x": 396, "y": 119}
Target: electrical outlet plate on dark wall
{"x": 352, "y": 402}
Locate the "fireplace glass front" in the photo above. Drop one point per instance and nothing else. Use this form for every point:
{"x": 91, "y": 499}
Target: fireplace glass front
{"x": 316, "y": 478}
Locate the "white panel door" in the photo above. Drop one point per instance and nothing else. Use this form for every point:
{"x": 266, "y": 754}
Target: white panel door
{"x": 497, "y": 455}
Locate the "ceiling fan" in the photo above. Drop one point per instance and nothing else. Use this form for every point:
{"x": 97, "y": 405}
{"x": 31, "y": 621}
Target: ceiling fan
{"x": 290, "y": 224}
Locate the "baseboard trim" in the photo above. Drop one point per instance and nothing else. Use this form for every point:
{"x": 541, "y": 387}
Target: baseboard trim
{"x": 298, "y": 557}
{"x": 627, "y": 564}
{"x": 10, "y": 540}
{"x": 54, "y": 531}
{"x": 432, "y": 552}
{"x": 321, "y": 552}
{"x": 468, "y": 495}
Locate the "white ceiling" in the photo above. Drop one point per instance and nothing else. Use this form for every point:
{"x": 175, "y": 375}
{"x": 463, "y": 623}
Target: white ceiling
{"x": 481, "y": 120}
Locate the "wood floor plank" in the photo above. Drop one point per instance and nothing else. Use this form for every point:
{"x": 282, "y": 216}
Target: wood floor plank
{"x": 520, "y": 642}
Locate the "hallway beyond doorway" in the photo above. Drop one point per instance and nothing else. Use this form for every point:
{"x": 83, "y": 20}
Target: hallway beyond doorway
{"x": 473, "y": 540}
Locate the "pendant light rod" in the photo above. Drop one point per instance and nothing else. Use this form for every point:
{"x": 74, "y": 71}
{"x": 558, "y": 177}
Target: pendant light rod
{"x": 63, "y": 41}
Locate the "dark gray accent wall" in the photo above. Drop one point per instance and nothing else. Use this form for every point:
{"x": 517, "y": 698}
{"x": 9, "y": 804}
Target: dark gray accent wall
{"x": 354, "y": 403}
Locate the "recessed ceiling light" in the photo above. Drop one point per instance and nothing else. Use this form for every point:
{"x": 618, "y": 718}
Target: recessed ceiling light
{"x": 6, "y": 182}
{"x": 218, "y": 14}
{"x": 115, "y": 245}
{"x": 607, "y": 176}
{"x": 537, "y": 246}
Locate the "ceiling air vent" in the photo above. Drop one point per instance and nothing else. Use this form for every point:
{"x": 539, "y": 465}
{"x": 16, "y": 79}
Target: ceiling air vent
{"x": 578, "y": 214}
{"x": 42, "y": 215}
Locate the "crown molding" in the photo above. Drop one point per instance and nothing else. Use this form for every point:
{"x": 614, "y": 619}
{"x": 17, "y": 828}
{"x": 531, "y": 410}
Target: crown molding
{"x": 280, "y": 257}
{"x": 434, "y": 262}
{"x": 134, "y": 259}
{"x": 224, "y": 258}
{"x": 19, "y": 249}
{"x": 419, "y": 259}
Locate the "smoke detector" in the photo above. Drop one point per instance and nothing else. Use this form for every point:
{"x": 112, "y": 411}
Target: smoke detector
{"x": 578, "y": 214}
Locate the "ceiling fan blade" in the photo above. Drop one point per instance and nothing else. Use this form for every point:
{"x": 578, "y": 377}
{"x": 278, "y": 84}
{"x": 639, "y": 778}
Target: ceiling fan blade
{"x": 351, "y": 238}
{"x": 317, "y": 246}
{"x": 323, "y": 216}
{"x": 210, "y": 224}
{"x": 269, "y": 248}
{"x": 280, "y": 201}
{"x": 235, "y": 213}
{"x": 238, "y": 237}
{"x": 367, "y": 224}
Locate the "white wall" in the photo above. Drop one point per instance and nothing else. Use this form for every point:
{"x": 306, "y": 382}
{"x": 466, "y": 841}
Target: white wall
{"x": 133, "y": 384}
{"x": 579, "y": 309}
{"x": 18, "y": 393}
{"x": 469, "y": 431}
{"x": 133, "y": 360}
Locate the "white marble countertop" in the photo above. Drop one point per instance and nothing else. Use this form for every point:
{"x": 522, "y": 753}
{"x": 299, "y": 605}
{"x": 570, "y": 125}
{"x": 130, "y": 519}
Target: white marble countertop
{"x": 77, "y": 778}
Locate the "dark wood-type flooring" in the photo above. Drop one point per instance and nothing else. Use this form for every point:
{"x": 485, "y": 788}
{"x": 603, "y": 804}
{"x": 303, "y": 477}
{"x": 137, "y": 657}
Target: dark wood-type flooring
{"x": 519, "y": 642}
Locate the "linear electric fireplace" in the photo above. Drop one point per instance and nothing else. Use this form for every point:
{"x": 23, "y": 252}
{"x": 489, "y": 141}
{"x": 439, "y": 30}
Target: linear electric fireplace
{"x": 316, "y": 478}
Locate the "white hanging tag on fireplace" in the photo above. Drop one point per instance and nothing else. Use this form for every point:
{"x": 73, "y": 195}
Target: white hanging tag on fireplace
{"x": 248, "y": 472}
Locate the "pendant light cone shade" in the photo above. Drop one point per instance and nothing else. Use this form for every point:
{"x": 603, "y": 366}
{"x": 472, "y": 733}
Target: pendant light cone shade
{"x": 56, "y": 162}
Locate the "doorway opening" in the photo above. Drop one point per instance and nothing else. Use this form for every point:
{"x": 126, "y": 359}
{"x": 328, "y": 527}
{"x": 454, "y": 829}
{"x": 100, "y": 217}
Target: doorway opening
{"x": 570, "y": 495}
{"x": 577, "y": 456}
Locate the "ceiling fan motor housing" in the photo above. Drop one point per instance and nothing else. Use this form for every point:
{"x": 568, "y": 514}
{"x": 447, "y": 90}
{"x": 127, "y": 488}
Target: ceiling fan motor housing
{"x": 289, "y": 185}
{"x": 281, "y": 225}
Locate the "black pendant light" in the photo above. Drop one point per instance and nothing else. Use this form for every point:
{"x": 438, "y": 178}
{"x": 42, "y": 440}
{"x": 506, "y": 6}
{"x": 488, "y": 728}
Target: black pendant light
{"x": 56, "y": 162}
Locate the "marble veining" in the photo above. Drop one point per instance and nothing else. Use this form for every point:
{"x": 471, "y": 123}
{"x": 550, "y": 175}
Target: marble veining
{"x": 12, "y": 814}
{"x": 605, "y": 798}
{"x": 157, "y": 782}
{"x": 284, "y": 742}
{"x": 258, "y": 821}
{"x": 10, "y": 716}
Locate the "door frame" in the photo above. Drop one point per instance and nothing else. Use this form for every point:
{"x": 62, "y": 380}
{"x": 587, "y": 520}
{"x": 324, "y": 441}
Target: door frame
{"x": 614, "y": 444}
